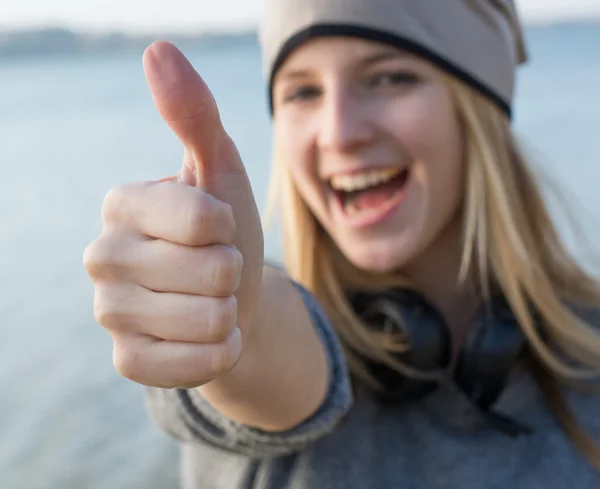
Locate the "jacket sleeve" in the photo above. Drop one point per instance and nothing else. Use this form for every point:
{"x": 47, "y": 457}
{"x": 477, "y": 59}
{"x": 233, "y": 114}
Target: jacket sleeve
{"x": 186, "y": 416}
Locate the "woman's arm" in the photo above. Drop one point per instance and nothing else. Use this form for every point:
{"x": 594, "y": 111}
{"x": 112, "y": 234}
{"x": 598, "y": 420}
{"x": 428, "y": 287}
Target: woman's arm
{"x": 292, "y": 389}
{"x": 282, "y": 377}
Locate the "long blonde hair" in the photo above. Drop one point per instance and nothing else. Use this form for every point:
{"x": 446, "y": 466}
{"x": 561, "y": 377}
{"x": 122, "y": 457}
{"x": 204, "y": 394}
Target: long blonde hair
{"x": 510, "y": 242}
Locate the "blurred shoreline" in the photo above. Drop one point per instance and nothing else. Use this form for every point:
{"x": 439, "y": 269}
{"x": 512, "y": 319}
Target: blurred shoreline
{"x": 59, "y": 41}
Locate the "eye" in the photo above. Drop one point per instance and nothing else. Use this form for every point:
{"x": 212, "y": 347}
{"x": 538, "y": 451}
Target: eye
{"x": 394, "y": 79}
{"x": 302, "y": 93}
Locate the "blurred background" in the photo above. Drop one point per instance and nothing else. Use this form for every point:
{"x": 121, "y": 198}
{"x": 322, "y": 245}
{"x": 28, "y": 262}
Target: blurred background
{"x": 76, "y": 119}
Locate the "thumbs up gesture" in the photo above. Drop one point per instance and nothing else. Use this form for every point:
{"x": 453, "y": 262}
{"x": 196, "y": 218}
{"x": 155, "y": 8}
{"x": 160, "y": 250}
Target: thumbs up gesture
{"x": 178, "y": 267}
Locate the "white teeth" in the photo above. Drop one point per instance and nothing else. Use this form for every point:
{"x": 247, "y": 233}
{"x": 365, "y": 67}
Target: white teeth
{"x": 361, "y": 181}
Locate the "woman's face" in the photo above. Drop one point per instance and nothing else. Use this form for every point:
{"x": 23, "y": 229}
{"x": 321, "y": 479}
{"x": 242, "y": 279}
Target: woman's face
{"x": 372, "y": 141}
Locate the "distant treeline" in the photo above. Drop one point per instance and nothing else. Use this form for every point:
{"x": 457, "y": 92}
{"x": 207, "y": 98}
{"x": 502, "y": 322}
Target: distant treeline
{"x": 59, "y": 41}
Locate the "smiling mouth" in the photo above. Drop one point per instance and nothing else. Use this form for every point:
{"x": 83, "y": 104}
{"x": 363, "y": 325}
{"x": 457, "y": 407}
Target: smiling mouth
{"x": 370, "y": 191}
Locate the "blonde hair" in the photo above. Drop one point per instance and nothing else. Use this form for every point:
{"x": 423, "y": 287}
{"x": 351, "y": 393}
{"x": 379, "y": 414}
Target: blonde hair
{"x": 510, "y": 242}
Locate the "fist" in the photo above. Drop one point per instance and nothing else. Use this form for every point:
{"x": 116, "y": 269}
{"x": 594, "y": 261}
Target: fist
{"x": 178, "y": 267}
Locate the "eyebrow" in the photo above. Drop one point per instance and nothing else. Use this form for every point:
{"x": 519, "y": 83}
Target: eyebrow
{"x": 369, "y": 60}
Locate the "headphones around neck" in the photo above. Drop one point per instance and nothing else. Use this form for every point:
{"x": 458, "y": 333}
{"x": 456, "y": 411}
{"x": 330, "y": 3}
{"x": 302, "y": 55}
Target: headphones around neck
{"x": 494, "y": 345}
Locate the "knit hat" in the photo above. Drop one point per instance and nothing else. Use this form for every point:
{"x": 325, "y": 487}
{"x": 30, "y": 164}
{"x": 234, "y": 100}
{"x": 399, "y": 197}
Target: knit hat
{"x": 479, "y": 41}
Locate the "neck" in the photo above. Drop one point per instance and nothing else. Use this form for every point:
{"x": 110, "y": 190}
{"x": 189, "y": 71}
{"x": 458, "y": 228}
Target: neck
{"x": 436, "y": 275}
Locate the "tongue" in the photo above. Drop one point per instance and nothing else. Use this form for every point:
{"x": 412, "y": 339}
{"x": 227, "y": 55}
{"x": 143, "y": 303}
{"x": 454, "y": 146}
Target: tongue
{"x": 373, "y": 197}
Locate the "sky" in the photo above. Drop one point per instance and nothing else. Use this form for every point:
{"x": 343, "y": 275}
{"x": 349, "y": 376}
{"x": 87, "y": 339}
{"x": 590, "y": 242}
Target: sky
{"x": 201, "y": 15}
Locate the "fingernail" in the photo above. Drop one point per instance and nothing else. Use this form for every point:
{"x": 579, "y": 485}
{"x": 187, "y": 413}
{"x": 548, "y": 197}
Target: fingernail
{"x": 236, "y": 343}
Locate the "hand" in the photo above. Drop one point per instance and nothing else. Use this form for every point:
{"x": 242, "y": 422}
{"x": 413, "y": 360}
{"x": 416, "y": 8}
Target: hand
{"x": 178, "y": 267}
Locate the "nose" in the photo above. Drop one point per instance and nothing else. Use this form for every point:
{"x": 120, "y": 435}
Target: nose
{"x": 345, "y": 124}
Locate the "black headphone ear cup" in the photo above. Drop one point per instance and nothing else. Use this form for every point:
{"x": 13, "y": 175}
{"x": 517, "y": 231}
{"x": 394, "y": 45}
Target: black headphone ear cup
{"x": 493, "y": 346}
{"x": 428, "y": 338}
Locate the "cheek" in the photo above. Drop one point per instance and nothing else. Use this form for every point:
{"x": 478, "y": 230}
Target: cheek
{"x": 429, "y": 130}
{"x": 426, "y": 124}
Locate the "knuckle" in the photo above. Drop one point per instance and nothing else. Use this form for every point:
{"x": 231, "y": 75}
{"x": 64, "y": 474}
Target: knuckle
{"x": 105, "y": 258}
{"x": 90, "y": 258}
{"x": 113, "y": 311}
{"x": 108, "y": 316}
{"x": 128, "y": 361}
{"x": 97, "y": 259}
{"x": 114, "y": 202}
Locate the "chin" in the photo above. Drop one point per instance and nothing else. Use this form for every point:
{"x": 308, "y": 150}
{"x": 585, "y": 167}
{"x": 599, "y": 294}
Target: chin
{"x": 380, "y": 257}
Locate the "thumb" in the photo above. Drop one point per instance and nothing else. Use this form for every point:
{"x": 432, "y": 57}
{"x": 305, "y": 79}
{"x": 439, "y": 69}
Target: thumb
{"x": 186, "y": 104}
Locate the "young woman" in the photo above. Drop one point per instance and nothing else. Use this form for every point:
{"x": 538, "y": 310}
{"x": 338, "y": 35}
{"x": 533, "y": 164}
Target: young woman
{"x": 429, "y": 328}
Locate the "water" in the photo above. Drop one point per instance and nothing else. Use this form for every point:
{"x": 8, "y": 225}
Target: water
{"x": 70, "y": 129}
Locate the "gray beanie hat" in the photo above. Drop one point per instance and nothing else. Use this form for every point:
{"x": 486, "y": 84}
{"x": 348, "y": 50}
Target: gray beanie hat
{"x": 479, "y": 41}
